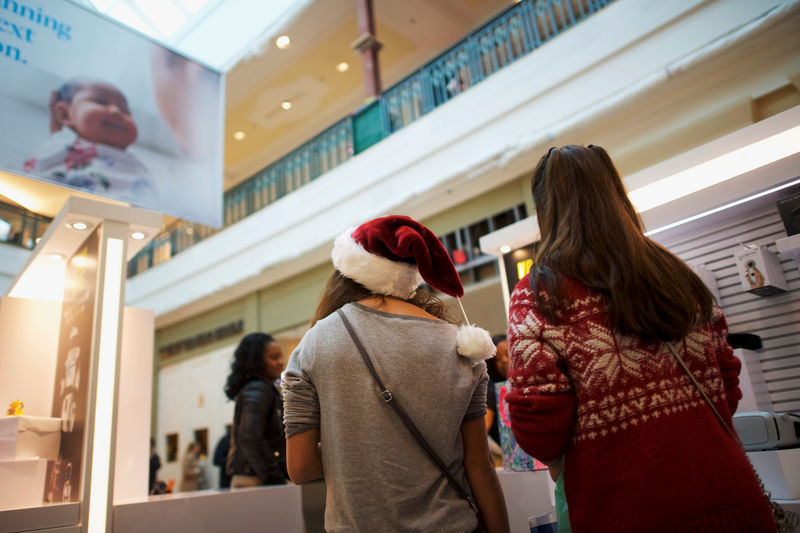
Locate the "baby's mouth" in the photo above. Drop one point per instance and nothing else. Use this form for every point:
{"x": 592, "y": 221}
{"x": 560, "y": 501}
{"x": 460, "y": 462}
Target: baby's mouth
{"x": 115, "y": 125}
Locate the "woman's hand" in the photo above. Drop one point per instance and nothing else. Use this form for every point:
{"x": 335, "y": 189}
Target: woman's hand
{"x": 556, "y": 467}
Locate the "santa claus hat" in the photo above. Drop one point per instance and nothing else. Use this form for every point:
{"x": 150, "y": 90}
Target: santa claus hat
{"x": 392, "y": 256}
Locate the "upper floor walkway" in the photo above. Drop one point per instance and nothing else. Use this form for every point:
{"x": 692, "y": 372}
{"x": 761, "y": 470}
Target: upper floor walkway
{"x": 517, "y": 31}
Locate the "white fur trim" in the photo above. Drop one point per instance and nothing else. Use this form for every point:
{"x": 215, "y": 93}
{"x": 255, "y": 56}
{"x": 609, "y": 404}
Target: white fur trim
{"x": 475, "y": 343}
{"x": 376, "y": 273}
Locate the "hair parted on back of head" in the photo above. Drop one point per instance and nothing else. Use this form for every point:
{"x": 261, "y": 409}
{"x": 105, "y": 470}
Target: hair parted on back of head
{"x": 590, "y": 231}
{"x": 248, "y": 363}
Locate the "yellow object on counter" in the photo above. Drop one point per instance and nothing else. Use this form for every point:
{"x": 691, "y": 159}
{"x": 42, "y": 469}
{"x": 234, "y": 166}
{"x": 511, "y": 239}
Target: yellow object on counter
{"x": 15, "y": 409}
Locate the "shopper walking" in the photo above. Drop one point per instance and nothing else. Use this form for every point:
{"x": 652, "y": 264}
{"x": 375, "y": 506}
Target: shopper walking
{"x": 593, "y": 376}
{"x": 498, "y": 372}
{"x": 257, "y": 454}
{"x": 191, "y": 470}
{"x": 342, "y": 426}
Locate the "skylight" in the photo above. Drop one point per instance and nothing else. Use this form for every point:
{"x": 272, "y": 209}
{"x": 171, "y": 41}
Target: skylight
{"x": 216, "y": 32}
{"x": 160, "y": 19}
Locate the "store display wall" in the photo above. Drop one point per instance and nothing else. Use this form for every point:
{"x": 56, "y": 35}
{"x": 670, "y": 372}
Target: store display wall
{"x": 27, "y": 369}
{"x": 775, "y": 318}
{"x": 133, "y": 405}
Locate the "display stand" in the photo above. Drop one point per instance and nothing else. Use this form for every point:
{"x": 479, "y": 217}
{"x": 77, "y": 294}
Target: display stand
{"x": 65, "y": 337}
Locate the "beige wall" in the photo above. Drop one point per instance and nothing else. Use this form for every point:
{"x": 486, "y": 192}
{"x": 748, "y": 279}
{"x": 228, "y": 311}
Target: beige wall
{"x": 245, "y": 309}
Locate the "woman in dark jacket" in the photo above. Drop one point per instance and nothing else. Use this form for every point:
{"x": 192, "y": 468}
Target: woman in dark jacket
{"x": 258, "y": 449}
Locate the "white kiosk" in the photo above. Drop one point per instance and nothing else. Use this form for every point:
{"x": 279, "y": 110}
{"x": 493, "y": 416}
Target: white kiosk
{"x": 65, "y": 338}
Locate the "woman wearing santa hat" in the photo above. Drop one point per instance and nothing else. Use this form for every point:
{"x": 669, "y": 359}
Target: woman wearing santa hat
{"x": 385, "y": 398}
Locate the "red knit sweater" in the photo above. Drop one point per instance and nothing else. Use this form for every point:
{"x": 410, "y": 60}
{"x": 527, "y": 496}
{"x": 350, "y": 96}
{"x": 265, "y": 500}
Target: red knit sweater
{"x": 643, "y": 451}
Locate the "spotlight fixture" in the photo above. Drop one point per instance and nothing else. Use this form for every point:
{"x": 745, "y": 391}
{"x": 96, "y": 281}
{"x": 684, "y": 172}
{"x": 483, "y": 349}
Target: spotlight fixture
{"x": 286, "y": 104}
{"x": 137, "y": 235}
{"x": 283, "y": 42}
{"x": 505, "y": 249}
{"x": 78, "y": 225}
{"x": 239, "y": 135}
{"x": 54, "y": 257}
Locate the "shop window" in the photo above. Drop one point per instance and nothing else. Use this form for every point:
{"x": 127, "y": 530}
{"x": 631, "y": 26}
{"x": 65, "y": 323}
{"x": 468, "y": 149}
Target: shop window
{"x": 172, "y": 447}
{"x": 463, "y": 245}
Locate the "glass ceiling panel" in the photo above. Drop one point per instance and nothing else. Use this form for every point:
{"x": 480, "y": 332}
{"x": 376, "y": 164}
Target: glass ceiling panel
{"x": 216, "y": 32}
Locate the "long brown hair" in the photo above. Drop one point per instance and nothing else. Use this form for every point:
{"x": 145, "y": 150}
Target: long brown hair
{"x": 341, "y": 290}
{"x": 591, "y": 232}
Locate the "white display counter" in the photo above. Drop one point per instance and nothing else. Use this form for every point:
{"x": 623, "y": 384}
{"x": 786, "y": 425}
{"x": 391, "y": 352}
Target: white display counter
{"x": 27, "y": 437}
{"x": 291, "y": 508}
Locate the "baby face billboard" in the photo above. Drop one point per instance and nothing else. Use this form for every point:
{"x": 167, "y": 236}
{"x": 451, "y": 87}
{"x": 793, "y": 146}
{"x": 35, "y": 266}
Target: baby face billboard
{"x": 88, "y": 104}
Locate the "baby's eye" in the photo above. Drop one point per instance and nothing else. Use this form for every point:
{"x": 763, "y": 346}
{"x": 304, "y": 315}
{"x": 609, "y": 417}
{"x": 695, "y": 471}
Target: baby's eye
{"x": 100, "y": 101}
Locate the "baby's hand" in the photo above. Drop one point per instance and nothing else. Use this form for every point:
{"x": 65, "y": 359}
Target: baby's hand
{"x": 55, "y": 124}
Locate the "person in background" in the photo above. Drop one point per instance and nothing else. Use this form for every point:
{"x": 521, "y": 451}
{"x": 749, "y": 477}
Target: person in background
{"x": 155, "y": 466}
{"x": 338, "y": 425}
{"x": 596, "y": 392}
{"x": 258, "y": 448}
{"x": 498, "y": 372}
{"x": 190, "y": 468}
{"x": 221, "y": 458}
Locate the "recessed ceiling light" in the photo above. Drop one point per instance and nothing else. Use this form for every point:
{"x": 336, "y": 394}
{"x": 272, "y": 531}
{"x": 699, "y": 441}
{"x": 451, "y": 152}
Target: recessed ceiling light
{"x": 55, "y": 257}
{"x": 283, "y": 42}
{"x": 286, "y": 104}
{"x": 343, "y": 66}
{"x": 505, "y": 249}
{"x": 137, "y": 235}
{"x": 37, "y": 240}
{"x": 78, "y": 225}
{"x": 239, "y": 135}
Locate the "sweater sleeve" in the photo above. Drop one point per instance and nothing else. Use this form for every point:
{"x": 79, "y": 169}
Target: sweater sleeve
{"x": 300, "y": 401}
{"x": 541, "y": 401}
{"x": 729, "y": 364}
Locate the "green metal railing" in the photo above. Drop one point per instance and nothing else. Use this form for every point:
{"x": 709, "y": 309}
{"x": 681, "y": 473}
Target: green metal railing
{"x": 21, "y": 227}
{"x": 512, "y": 34}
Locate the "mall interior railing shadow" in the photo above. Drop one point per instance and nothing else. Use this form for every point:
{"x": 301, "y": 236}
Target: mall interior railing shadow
{"x": 21, "y": 227}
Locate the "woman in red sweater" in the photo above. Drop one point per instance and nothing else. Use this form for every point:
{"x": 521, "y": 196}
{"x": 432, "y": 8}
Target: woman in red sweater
{"x": 595, "y": 388}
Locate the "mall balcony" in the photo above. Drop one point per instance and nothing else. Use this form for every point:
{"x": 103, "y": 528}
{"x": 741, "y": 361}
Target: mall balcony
{"x": 453, "y": 142}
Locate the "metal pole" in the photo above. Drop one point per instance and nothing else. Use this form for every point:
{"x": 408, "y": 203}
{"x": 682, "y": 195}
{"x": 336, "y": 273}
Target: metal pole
{"x": 368, "y": 46}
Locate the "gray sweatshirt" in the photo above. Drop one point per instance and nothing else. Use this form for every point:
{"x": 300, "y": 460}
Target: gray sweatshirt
{"x": 377, "y": 476}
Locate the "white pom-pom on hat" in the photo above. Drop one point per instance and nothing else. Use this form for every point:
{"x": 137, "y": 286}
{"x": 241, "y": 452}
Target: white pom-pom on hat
{"x": 474, "y": 343}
